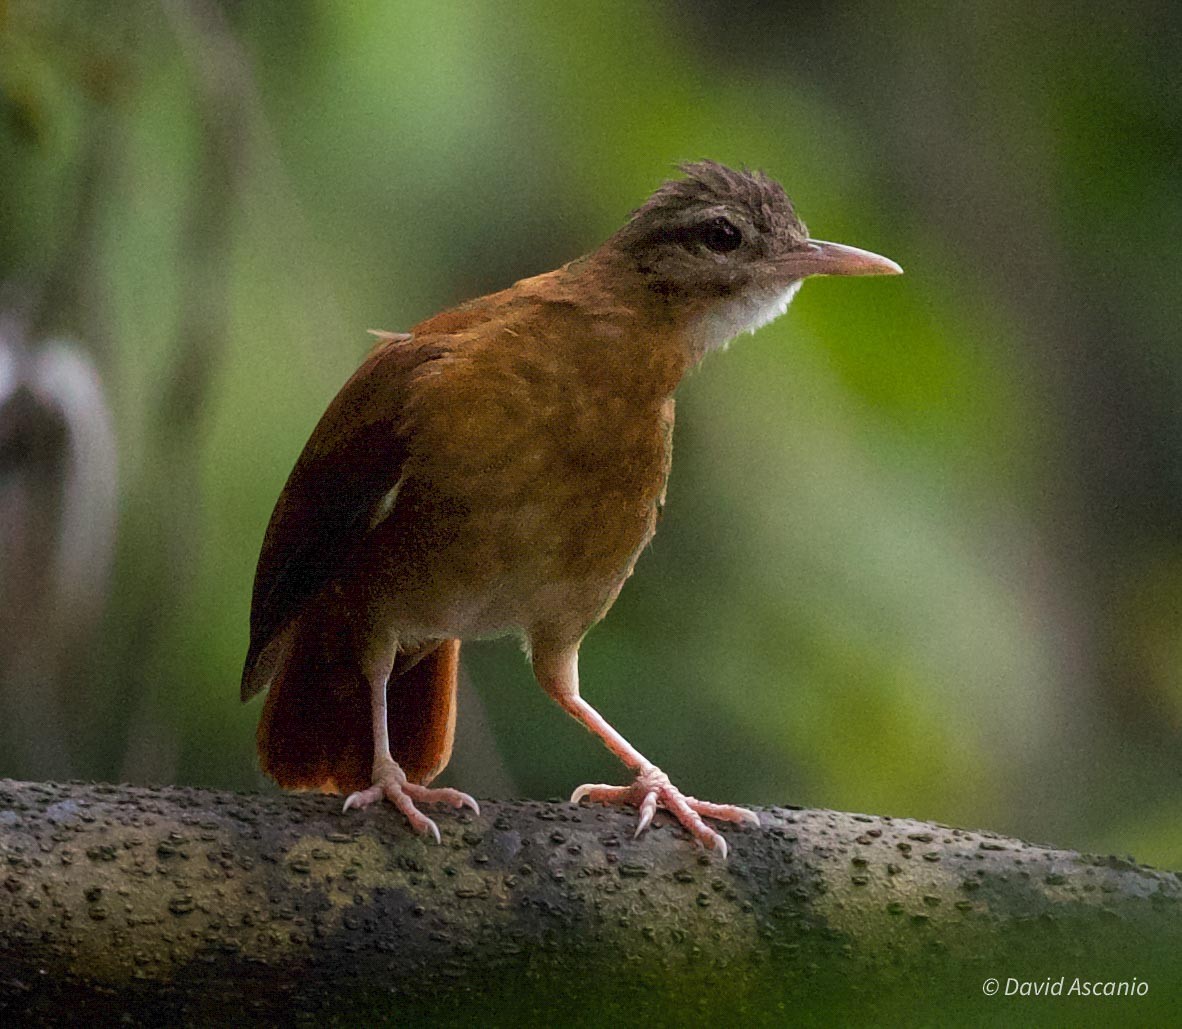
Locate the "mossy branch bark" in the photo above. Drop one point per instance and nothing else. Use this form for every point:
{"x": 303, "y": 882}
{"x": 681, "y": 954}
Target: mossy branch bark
{"x": 177, "y": 906}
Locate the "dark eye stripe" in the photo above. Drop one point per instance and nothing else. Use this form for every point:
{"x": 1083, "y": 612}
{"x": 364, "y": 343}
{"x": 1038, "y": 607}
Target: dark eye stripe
{"x": 718, "y": 235}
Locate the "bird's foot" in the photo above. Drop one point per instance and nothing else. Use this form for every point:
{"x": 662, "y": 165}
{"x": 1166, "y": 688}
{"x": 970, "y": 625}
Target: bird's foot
{"x": 652, "y": 789}
{"x": 390, "y": 781}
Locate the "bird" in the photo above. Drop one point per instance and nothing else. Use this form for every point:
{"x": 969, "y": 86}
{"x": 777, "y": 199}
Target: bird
{"x": 498, "y": 470}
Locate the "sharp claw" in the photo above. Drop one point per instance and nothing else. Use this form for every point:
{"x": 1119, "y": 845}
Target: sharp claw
{"x": 642, "y": 824}
{"x": 750, "y": 817}
{"x": 350, "y": 801}
{"x": 720, "y": 846}
{"x": 648, "y": 808}
{"x": 433, "y": 829}
{"x": 582, "y": 792}
{"x": 470, "y": 802}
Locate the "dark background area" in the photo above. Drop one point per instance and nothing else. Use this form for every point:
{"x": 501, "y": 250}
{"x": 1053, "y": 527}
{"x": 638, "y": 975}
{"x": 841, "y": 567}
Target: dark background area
{"x": 922, "y": 553}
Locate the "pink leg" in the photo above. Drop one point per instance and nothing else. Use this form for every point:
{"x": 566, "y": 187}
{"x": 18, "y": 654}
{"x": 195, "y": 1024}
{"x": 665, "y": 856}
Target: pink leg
{"x": 652, "y": 789}
{"x": 390, "y": 781}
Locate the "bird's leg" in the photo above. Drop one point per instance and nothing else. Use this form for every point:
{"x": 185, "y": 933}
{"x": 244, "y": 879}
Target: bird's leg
{"x": 559, "y": 676}
{"x": 390, "y": 781}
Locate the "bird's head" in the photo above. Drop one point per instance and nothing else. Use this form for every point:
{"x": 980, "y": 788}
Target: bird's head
{"x": 728, "y": 246}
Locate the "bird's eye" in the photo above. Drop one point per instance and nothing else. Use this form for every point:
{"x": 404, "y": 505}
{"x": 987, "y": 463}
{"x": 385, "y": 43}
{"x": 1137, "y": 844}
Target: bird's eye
{"x": 720, "y": 236}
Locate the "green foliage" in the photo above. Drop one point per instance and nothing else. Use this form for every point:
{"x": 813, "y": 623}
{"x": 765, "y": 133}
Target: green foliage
{"x": 923, "y": 546}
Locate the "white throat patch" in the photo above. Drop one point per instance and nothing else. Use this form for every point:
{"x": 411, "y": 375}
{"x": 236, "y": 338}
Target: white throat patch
{"x": 745, "y": 314}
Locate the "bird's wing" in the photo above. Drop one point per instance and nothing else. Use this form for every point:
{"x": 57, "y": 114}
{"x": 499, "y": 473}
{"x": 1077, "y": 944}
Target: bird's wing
{"x": 344, "y": 480}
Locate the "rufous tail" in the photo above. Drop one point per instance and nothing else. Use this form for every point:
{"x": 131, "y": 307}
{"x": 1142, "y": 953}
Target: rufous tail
{"x": 315, "y": 731}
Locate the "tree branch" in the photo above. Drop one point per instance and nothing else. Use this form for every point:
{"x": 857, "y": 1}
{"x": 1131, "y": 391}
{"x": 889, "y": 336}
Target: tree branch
{"x": 180, "y": 906}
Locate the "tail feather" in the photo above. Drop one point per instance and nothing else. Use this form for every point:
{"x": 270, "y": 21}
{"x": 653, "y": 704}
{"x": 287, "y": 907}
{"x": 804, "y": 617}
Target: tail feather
{"x": 315, "y": 731}
{"x": 421, "y": 706}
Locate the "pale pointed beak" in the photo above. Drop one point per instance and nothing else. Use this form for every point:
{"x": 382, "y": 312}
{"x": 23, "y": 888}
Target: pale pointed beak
{"x": 821, "y": 258}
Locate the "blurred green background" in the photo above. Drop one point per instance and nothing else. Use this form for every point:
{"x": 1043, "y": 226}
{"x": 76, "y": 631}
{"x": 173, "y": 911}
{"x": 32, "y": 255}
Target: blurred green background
{"x": 922, "y": 553}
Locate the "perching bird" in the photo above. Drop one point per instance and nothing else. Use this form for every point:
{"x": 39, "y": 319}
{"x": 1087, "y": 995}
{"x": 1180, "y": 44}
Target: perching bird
{"x": 499, "y": 469}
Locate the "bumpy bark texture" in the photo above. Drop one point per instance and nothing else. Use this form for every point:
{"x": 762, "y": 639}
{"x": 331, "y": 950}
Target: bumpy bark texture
{"x": 191, "y": 907}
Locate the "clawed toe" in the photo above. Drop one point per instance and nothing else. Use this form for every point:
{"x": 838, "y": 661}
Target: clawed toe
{"x": 444, "y": 795}
{"x": 651, "y": 790}
{"x": 724, "y": 812}
{"x": 600, "y": 793}
{"x": 362, "y": 798}
{"x": 392, "y": 784}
